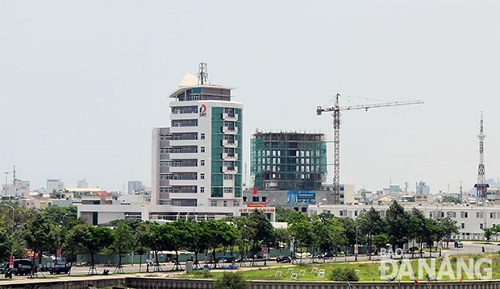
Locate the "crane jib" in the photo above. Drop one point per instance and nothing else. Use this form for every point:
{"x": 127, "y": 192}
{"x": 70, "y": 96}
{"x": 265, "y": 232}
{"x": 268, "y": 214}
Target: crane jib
{"x": 334, "y": 198}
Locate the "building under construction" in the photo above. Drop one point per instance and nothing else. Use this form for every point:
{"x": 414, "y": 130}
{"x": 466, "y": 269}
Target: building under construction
{"x": 288, "y": 161}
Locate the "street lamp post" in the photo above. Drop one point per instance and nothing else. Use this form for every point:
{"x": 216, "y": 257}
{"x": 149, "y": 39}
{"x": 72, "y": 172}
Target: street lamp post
{"x": 62, "y": 219}
{"x": 145, "y": 214}
{"x": 6, "y": 174}
{"x": 356, "y": 245}
{"x": 62, "y": 222}
{"x": 194, "y": 211}
{"x": 13, "y": 210}
{"x": 195, "y": 216}
{"x": 11, "y": 261}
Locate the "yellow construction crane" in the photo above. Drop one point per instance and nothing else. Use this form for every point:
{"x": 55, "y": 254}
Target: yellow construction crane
{"x": 335, "y": 199}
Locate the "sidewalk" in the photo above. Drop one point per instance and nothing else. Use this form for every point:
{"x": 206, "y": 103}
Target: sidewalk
{"x": 46, "y": 277}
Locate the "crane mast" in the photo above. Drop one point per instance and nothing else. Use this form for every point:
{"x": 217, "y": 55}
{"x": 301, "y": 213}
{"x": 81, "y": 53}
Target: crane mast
{"x": 335, "y": 197}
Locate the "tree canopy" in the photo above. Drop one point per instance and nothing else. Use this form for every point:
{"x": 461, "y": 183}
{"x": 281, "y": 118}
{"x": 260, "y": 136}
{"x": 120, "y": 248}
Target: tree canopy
{"x": 44, "y": 231}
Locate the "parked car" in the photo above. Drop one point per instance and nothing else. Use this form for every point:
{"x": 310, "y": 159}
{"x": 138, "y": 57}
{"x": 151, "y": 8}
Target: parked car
{"x": 283, "y": 259}
{"x": 326, "y": 255}
{"x": 23, "y": 267}
{"x": 58, "y": 268}
{"x": 226, "y": 259}
{"x": 303, "y": 255}
{"x": 240, "y": 259}
{"x": 459, "y": 244}
{"x": 3, "y": 267}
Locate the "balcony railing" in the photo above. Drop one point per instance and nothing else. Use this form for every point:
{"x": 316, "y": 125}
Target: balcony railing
{"x": 228, "y": 143}
{"x": 229, "y": 116}
{"x": 229, "y": 130}
{"x": 226, "y": 156}
{"x": 229, "y": 170}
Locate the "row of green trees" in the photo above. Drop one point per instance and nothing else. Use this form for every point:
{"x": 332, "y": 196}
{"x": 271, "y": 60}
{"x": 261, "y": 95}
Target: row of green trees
{"x": 325, "y": 233}
{"x": 44, "y": 231}
{"x": 22, "y": 228}
{"x": 490, "y": 232}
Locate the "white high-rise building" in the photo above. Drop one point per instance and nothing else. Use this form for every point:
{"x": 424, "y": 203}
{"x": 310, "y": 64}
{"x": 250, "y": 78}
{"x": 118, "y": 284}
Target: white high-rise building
{"x": 54, "y": 185}
{"x": 135, "y": 186}
{"x": 16, "y": 189}
{"x": 82, "y": 184}
{"x": 197, "y": 161}
{"x": 422, "y": 188}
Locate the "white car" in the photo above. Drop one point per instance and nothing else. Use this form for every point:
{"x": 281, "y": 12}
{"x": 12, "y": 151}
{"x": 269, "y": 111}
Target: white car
{"x": 303, "y": 255}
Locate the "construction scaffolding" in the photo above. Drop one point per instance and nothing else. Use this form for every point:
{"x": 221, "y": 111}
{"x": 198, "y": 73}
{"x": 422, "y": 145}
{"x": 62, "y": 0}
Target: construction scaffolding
{"x": 288, "y": 160}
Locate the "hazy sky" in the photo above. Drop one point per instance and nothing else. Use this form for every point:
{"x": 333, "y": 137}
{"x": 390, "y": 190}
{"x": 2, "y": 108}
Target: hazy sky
{"x": 82, "y": 83}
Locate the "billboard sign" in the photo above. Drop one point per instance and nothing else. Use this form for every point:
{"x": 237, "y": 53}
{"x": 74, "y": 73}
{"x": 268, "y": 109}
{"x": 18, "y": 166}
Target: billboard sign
{"x": 301, "y": 197}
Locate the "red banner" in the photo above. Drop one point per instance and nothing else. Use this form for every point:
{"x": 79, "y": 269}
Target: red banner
{"x": 254, "y": 205}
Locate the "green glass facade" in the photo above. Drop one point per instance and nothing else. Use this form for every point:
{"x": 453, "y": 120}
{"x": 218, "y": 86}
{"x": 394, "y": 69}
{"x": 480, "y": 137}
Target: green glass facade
{"x": 288, "y": 161}
{"x": 217, "y": 178}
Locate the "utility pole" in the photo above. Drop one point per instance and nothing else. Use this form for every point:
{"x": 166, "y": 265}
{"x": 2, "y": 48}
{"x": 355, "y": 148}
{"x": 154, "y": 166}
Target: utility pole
{"x": 335, "y": 197}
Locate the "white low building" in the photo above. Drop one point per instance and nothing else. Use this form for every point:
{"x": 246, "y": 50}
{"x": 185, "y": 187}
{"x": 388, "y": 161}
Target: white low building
{"x": 99, "y": 214}
{"x": 470, "y": 219}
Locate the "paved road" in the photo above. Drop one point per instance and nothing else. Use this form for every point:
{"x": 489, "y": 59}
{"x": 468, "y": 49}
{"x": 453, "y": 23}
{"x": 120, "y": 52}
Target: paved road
{"x": 469, "y": 248}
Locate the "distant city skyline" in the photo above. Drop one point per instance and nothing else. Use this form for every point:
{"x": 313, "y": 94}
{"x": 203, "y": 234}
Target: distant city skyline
{"x": 83, "y": 84}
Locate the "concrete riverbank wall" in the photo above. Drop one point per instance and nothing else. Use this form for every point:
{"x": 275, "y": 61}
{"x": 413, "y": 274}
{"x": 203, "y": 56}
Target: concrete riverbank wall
{"x": 176, "y": 283}
{"x": 65, "y": 283}
{"x": 145, "y": 283}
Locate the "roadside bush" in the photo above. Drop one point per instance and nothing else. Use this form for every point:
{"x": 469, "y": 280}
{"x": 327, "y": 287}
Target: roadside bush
{"x": 207, "y": 274}
{"x": 230, "y": 281}
{"x": 203, "y": 274}
{"x": 344, "y": 274}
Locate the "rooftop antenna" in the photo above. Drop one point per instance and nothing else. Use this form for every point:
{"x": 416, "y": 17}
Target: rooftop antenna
{"x": 461, "y": 192}
{"x": 203, "y": 74}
